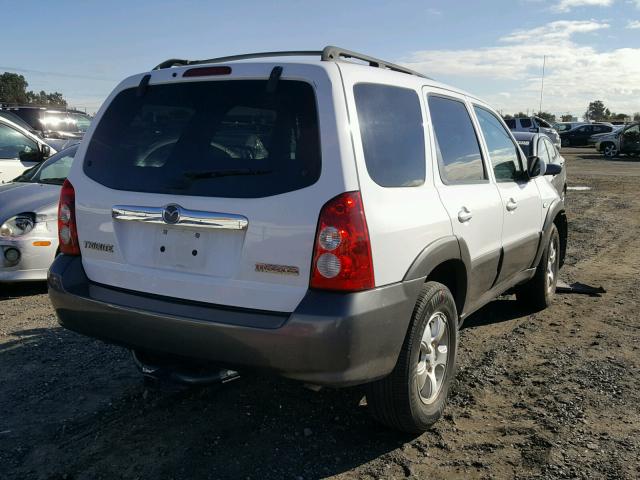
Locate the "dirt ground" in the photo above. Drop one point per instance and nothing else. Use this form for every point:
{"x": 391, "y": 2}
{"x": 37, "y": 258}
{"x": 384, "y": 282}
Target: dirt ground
{"x": 548, "y": 395}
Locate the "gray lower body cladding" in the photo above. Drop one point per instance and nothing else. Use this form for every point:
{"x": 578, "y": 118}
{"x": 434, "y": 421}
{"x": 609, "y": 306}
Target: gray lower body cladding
{"x": 331, "y": 338}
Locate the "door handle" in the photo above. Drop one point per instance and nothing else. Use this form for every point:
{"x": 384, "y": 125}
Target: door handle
{"x": 464, "y": 215}
{"x": 512, "y": 205}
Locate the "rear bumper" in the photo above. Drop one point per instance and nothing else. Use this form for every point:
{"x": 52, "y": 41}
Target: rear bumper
{"x": 330, "y": 339}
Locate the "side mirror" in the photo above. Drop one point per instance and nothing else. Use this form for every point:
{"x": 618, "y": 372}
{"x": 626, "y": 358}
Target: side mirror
{"x": 553, "y": 169}
{"x": 45, "y": 150}
{"x": 535, "y": 167}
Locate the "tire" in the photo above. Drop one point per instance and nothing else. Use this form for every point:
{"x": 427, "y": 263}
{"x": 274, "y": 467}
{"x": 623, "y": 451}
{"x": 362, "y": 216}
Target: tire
{"x": 564, "y": 142}
{"x": 538, "y": 292}
{"x": 609, "y": 150}
{"x": 396, "y": 400}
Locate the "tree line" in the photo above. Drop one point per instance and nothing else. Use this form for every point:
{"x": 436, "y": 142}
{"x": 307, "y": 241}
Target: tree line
{"x": 13, "y": 89}
{"x": 596, "y": 111}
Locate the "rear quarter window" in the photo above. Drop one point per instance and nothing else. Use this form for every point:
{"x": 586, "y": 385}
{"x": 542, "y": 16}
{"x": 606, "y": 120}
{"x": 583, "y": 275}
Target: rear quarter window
{"x": 392, "y": 134}
{"x": 213, "y": 139}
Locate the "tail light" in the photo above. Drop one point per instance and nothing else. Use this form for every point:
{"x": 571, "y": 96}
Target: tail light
{"x": 67, "y": 229}
{"x": 342, "y": 253}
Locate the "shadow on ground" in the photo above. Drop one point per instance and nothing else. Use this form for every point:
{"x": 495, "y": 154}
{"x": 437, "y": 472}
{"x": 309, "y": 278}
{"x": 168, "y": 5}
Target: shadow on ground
{"x": 13, "y": 290}
{"x": 77, "y": 408}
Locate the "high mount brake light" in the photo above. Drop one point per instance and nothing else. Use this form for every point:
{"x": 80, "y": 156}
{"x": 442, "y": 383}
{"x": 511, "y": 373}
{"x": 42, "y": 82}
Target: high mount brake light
{"x": 342, "y": 254}
{"x": 207, "y": 71}
{"x": 67, "y": 229}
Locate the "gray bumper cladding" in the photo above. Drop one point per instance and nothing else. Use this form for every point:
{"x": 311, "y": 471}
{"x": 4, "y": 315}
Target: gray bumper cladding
{"x": 331, "y": 338}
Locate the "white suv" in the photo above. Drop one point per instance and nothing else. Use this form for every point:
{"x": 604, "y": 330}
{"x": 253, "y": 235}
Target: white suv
{"x": 328, "y": 221}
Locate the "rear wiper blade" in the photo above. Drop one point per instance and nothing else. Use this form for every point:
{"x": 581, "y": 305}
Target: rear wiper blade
{"x": 52, "y": 181}
{"x": 195, "y": 175}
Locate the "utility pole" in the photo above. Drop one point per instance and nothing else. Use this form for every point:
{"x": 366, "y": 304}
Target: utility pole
{"x": 544, "y": 61}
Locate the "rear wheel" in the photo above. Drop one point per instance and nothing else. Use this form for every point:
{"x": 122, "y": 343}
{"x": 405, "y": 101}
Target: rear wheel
{"x": 538, "y": 292}
{"x": 414, "y": 395}
{"x": 609, "y": 150}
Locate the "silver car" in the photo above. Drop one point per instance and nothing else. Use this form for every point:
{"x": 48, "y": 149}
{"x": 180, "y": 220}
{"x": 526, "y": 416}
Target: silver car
{"x": 29, "y": 219}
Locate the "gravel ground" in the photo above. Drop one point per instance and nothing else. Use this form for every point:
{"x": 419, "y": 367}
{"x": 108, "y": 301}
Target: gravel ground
{"x": 549, "y": 395}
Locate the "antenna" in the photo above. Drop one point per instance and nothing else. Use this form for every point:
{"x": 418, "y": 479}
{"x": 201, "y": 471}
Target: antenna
{"x": 544, "y": 61}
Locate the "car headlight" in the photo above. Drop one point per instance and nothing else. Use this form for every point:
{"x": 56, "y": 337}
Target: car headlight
{"x": 18, "y": 226}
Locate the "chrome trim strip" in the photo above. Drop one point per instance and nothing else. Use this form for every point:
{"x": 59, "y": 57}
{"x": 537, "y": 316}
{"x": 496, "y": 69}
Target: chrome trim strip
{"x": 187, "y": 218}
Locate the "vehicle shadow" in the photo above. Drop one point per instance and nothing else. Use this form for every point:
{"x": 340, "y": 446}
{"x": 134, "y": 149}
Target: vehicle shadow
{"x": 599, "y": 156}
{"x": 78, "y": 408}
{"x": 497, "y": 311}
{"x": 14, "y": 290}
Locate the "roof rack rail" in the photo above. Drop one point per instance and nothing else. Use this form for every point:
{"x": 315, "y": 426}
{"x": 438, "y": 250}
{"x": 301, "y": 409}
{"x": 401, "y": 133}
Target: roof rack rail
{"x": 327, "y": 54}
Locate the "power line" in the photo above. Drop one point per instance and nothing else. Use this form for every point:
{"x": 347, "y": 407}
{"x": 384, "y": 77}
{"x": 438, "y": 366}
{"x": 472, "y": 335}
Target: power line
{"x": 57, "y": 74}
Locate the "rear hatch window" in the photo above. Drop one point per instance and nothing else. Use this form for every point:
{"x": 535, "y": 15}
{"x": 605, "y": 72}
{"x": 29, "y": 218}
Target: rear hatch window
{"x": 229, "y": 139}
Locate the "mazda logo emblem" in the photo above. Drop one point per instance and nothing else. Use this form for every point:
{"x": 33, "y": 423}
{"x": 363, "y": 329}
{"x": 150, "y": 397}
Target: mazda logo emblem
{"x": 171, "y": 214}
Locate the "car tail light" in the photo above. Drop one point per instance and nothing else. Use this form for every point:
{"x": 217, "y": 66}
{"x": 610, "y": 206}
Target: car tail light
{"x": 342, "y": 254}
{"x": 67, "y": 229}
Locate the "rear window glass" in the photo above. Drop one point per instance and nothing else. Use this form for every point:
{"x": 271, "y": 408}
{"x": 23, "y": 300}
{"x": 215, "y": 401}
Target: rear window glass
{"x": 392, "y": 134}
{"x": 214, "y": 139}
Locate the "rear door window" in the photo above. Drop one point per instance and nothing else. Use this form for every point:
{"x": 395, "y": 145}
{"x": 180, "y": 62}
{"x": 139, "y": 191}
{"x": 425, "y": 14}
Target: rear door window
{"x": 214, "y": 139}
{"x": 457, "y": 146}
{"x": 14, "y": 144}
{"x": 392, "y": 134}
{"x": 525, "y": 123}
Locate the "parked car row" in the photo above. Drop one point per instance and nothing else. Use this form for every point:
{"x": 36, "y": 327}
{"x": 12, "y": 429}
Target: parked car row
{"x": 534, "y": 125}
{"x": 56, "y": 126}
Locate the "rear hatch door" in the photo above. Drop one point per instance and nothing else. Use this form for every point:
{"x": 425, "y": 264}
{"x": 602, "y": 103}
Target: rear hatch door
{"x": 209, "y": 189}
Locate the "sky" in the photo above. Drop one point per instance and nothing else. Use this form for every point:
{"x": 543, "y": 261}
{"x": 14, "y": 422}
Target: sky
{"x": 493, "y": 49}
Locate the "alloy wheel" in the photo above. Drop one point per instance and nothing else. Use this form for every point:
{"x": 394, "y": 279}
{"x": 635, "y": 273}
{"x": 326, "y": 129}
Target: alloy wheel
{"x": 433, "y": 356}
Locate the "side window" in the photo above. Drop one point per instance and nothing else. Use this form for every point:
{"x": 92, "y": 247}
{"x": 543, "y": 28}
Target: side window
{"x": 511, "y": 123}
{"x": 632, "y": 134}
{"x": 525, "y": 123}
{"x": 503, "y": 153}
{"x": 392, "y": 134}
{"x": 543, "y": 151}
{"x": 553, "y": 151}
{"x": 457, "y": 146}
{"x": 13, "y": 144}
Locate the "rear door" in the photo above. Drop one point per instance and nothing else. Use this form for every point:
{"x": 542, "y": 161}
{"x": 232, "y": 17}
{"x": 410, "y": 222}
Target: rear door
{"x": 521, "y": 204}
{"x": 209, "y": 188}
{"x": 470, "y": 198}
{"x": 17, "y": 153}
